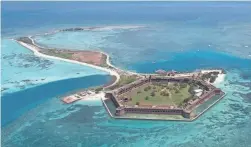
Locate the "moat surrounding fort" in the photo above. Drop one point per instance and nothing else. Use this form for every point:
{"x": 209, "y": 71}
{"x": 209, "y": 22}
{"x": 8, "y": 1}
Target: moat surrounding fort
{"x": 165, "y": 95}
{"x": 163, "y": 98}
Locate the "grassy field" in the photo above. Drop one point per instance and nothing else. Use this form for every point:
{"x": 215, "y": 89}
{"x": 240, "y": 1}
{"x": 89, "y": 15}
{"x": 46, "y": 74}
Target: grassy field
{"x": 125, "y": 80}
{"x": 170, "y": 94}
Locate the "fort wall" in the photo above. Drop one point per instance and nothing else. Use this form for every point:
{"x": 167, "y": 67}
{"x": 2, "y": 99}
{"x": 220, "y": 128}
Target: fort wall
{"x": 205, "y": 97}
{"x": 186, "y": 113}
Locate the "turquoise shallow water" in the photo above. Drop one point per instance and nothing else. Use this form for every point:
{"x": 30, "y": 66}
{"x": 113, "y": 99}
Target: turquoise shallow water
{"x": 88, "y": 124}
{"x": 181, "y": 36}
{"x": 21, "y": 69}
{"x": 24, "y": 100}
{"x": 163, "y": 46}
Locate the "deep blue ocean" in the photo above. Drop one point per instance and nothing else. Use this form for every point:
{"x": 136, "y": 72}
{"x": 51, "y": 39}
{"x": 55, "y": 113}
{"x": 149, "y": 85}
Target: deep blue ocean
{"x": 139, "y": 36}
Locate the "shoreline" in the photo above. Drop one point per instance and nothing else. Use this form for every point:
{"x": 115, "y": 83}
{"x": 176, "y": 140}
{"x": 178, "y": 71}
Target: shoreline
{"x": 113, "y": 71}
{"x": 219, "y": 79}
{"x": 108, "y": 61}
{"x": 36, "y": 52}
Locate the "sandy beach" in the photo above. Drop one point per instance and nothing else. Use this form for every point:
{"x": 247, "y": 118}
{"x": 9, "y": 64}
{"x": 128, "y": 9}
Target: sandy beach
{"x": 37, "y": 53}
{"x": 98, "y": 96}
{"x": 220, "y": 78}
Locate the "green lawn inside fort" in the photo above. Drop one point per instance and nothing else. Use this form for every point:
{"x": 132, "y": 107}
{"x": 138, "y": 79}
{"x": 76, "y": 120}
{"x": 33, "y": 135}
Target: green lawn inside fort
{"x": 159, "y": 94}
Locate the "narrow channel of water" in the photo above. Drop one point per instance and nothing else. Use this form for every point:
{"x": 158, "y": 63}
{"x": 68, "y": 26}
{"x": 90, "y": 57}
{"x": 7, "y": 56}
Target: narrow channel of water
{"x": 17, "y": 103}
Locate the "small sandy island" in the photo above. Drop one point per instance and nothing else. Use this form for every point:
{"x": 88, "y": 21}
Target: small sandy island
{"x": 97, "y": 60}
{"x": 92, "y": 59}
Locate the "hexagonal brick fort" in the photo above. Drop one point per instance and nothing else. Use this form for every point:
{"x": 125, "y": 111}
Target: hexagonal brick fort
{"x": 188, "y": 109}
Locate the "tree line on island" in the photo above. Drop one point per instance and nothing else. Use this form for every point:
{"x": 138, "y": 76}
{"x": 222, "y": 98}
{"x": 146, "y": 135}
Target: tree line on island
{"x": 212, "y": 76}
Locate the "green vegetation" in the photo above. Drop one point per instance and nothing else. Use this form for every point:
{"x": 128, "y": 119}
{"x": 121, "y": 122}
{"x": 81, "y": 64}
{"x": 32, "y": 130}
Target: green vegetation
{"x": 126, "y": 80}
{"x": 210, "y": 76}
{"x": 183, "y": 85}
{"x": 212, "y": 79}
{"x": 98, "y": 89}
{"x": 57, "y": 53}
{"x": 147, "y": 88}
{"x": 186, "y": 100}
{"x": 25, "y": 40}
{"x": 164, "y": 92}
{"x": 159, "y": 94}
{"x": 104, "y": 64}
{"x": 153, "y": 94}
